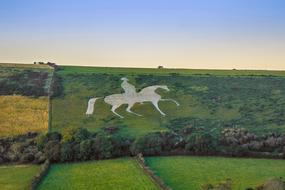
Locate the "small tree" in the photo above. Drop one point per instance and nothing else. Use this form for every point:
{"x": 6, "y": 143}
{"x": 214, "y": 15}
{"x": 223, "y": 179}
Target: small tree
{"x": 201, "y": 142}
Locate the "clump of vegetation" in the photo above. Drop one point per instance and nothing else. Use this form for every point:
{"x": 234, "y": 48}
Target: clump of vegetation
{"x": 202, "y": 142}
{"x": 26, "y": 83}
{"x": 158, "y": 143}
{"x": 80, "y": 144}
{"x": 226, "y": 185}
{"x": 272, "y": 184}
{"x": 84, "y": 145}
{"x": 56, "y": 86}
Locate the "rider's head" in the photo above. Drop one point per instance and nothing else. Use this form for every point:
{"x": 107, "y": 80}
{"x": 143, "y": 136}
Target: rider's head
{"x": 124, "y": 79}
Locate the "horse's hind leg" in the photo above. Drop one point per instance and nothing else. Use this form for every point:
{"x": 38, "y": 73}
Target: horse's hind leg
{"x": 155, "y": 103}
{"x": 130, "y": 111}
{"x": 171, "y": 100}
{"x": 114, "y": 107}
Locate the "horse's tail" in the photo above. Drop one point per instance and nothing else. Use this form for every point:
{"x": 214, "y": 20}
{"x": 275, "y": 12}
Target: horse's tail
{"x": 91, "y": 104}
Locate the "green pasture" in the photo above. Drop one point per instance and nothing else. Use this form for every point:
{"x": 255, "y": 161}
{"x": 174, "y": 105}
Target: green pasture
{"x": 209, "y": 98}
{"x": 191, "y": 173}
{"x": 17, "y": 177}
{"x": 123, "y": 173}
{"x": 166, "y": 71}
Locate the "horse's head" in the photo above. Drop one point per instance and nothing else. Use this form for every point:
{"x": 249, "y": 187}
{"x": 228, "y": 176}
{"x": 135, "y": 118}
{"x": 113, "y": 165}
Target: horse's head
{"x": 124, "y": 79}
{"x": 164, "y": 87}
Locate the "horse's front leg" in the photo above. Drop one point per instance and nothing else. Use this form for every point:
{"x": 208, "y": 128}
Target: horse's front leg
{"x": 114, "y": 107}
{"x": 155, "y": 103}
{"x": 130, "y": 111}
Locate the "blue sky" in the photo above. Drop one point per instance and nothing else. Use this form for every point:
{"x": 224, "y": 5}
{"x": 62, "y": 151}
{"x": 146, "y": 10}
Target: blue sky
{"x": 245, "y": 34}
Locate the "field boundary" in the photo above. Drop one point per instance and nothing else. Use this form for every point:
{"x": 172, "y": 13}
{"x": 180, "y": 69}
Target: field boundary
{"x": 149, "y": 172}
{"x": 40, "y": 175}
{"x": 50, "y": 92}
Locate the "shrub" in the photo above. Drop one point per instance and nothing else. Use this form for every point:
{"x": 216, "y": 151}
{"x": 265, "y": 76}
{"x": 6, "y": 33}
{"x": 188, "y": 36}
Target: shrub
{"x": 201, "y": 142}
{"x": 52, "y": 151}
{"x": 274, "y": 183}
{"x": 57, "y": 86}
{"x": 150, "y": 144}
{"x": 121, "y": 145}
{"x": 102, "y": 146}
{"x": 81, "y": 134}
{"x": 66, "y": 152}
{"x": 226, "y": 185}
{"x": 85, "y": 149}
{"x": 27, "y": 83}
{"x": 41, "y": 140}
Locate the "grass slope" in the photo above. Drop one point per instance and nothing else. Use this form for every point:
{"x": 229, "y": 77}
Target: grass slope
{"x": 208, "y": 98}
{"x": 123, "y": 70}
{"x": 182, "y": 172}
{"x": 20, "y": 114}
{"x": 108, "y": 174}
{"x": 17, "y": 177}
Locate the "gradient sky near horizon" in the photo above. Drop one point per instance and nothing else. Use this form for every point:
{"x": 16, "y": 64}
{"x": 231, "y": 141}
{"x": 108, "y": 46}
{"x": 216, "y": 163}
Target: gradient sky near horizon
{"x": 216, "y": 34}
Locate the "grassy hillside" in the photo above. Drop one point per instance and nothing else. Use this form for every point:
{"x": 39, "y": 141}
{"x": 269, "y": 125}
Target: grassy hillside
{"x": 109, "y": 174}
{"x": 23, "y": 98}
{"x": 124, "y": 70}
{"x": 192, "y": 173}
{"x": 210, "y": 98}
{"x": 17, "y": 177}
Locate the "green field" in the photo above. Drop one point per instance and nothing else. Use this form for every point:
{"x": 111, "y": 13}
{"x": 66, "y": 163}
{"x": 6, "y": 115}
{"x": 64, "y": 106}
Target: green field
{"x": 209, "y": 98}
{"x": 17, "y": 177}
{"x": 191, "y": 173}
{"x": 123, "y": 173}
{"x": 123, "y": 70}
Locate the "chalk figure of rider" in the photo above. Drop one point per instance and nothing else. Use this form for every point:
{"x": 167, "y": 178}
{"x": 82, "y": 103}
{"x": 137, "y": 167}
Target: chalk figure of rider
{"x": 130, "y": 90}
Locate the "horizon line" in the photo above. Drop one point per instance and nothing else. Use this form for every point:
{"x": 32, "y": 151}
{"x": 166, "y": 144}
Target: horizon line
{"x": 131, "y": 67}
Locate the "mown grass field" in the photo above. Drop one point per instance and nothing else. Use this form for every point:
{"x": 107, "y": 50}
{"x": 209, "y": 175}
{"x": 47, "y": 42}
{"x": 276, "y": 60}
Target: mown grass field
{"x": 20, "y": 114}
{"x": 210, "y": 98}
{"x": 17, "y": 177}
{"x": 191, "y": 173}
{"x": 121, "y": 173}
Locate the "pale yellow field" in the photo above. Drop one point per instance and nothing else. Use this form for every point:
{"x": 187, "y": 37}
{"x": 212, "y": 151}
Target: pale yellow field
{"x": 20, "y": 114}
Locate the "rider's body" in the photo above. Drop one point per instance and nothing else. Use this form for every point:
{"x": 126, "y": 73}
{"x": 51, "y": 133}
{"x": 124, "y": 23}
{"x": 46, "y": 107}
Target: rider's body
{"x": 130, "y": 90}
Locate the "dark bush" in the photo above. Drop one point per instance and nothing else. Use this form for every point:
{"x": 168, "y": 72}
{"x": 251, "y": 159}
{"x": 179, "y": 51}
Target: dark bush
{"x": 201, "y": 142}
{"x": 54, "y": 136}
{"x": 56, "y": 86}
{"x": 85, "y": 149}
{"x": 27, "y": 83}
{"x": 27, "y": 158}
{"x": 66, "y": 152}
{"x": 52, "y": 151}
{"x": 102, "y": 146}
{"x": 81, "y": 134}
{"x": 150, "y": 144}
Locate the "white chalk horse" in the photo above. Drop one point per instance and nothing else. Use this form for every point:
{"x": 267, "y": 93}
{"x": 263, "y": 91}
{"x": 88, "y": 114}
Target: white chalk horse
{"x": 147, "y": 94}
